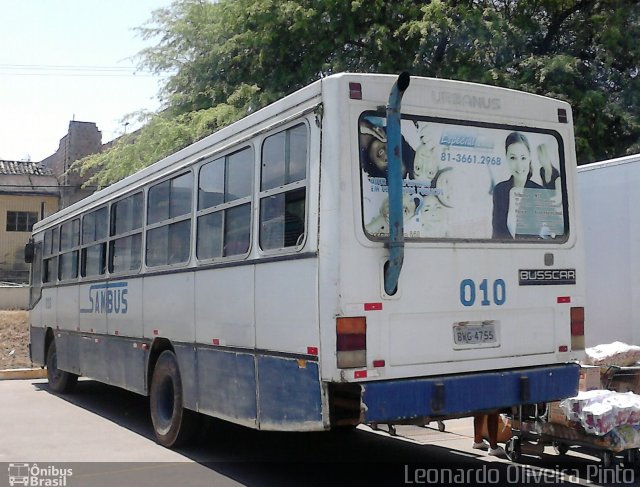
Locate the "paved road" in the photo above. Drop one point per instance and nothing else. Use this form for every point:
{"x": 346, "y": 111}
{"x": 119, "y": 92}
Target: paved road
{"x": 104, "y": 435}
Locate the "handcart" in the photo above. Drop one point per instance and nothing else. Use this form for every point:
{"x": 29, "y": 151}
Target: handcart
{"x": 531, "y": 432}
{"x": 621, "y": 379}
{"x": 536, "y": 426}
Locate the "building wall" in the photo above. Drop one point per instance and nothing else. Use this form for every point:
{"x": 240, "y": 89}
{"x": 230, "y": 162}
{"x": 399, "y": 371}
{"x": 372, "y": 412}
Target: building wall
{"x": 12, "y": 265}
{"x": 82, "y": 139}
{"x": 14, "y": 297}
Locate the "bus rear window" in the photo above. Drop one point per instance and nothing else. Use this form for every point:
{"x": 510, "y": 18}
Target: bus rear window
{"x": 464, "y": 181}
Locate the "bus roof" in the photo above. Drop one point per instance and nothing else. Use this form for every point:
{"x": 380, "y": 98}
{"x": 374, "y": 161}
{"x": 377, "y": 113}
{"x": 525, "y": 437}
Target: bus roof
{"x": 237, "y": 131}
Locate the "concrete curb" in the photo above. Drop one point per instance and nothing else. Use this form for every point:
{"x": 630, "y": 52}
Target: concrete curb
{"x": 18, "y": 374}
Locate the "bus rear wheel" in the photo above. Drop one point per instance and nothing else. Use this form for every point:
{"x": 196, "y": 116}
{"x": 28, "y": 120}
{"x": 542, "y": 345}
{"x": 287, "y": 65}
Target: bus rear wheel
{"x": 173, "y": 424}
{"x": 59, "y": 381}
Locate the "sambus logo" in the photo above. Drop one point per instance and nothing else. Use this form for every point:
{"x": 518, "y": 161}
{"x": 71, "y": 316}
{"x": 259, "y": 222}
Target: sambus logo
{"x": 107, "y": 298}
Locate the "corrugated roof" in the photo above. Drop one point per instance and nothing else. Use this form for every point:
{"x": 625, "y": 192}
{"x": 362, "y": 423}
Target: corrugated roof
{"x": 24, "y": 167}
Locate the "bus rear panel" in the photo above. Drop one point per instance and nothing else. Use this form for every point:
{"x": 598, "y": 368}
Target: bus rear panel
{"x": 488, "y": 311}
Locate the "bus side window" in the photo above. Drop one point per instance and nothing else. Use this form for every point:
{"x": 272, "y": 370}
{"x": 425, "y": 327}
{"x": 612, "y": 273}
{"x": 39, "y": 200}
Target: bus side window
{"x": 125, "y": 248}
{"x": 169, "y": 221}
{"x": 69, "y": 242}
{"x": 237, "y": 230}
{"x": 224, "y": 206}
{"x": 50, "y": 254}
{"x": 93, "y": 258}
{"x": 283, "y": 192}
{"x": 50, "y": 271}
{"x": 35, "y": 291}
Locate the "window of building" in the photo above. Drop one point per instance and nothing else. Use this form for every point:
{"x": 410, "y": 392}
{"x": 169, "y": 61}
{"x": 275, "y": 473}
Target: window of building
{"x": 21, "y": 221}
{"x": 224, "y": 205}
{"x": 283, "y": 189}
{"x": 169, "y": 221}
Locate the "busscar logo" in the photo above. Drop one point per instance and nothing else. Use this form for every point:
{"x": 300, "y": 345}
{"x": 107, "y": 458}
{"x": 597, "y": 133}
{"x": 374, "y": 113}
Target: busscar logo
{"x": 538, "y": 277}
{"x": 38, "y": 476}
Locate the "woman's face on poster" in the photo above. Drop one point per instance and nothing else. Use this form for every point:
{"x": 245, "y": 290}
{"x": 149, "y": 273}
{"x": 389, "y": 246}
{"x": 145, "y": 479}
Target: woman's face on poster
{"x": 378, "y": 154}
{"x": 519, "y": 160}
{"x": 425, "y": 165}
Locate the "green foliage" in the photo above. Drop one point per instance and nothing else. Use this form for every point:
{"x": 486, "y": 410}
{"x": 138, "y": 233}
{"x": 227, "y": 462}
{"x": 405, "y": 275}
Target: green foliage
{"x": 161, "y": 136}
{"x": 231, "y": 57}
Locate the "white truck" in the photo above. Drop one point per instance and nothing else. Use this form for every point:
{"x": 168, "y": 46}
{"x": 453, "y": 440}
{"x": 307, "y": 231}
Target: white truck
{"x": 610, "y": 205}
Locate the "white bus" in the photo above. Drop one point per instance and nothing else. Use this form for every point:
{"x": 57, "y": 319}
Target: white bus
{"x": 263, "y": 276}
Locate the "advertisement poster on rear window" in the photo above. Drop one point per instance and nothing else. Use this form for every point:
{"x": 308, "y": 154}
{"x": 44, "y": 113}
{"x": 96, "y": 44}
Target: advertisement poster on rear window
{"x": 465, "y": 181}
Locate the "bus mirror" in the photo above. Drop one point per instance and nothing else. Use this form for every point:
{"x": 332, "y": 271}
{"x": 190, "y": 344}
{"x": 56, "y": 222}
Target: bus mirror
{"x": 29, "y": 251}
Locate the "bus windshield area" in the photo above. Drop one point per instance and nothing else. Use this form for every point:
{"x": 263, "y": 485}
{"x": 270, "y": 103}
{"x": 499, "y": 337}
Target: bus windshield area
{"x": 466, "y": 181}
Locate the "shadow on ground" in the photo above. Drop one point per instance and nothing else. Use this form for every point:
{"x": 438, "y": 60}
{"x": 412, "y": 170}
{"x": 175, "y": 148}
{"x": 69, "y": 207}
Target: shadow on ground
{"x": 359, "y": 457}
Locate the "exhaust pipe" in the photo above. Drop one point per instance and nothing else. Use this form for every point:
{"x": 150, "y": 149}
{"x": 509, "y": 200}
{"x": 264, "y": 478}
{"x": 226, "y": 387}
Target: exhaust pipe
{"x": 395, "y": 243}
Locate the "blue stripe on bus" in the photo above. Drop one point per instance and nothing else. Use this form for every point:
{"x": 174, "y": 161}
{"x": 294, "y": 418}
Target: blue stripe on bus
{"x": 227, "y": 384}
{"x": 217, "y": 382}
{"x": 387, "y": 401}
{"x": 288, "y": 392}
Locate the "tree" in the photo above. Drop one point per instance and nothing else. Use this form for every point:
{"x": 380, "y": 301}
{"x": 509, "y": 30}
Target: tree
{"x": 232, "y": 57}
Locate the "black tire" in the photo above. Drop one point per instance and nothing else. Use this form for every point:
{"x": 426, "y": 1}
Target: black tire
{"x": 632, "y": 458}
{"x": 59, "y": 381}
{"x": 343, "y": 429}
{"x": 173, "y": 425}
{"x": 513, "y": 449}
{"x": 560, "y": 448}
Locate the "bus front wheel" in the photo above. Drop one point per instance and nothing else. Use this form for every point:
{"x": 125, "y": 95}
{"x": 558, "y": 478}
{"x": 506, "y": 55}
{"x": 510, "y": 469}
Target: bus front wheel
{"x": 173, "y": 424}
{"x": 59, "y": 381}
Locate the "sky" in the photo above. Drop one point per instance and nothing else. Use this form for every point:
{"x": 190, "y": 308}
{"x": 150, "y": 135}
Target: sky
{"x": 63, "y": 60}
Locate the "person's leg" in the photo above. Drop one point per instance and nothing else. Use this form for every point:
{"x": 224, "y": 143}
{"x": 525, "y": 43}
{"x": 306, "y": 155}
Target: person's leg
{"x": 492, "y": 429}
{"x": 477, "y": 427}
{"x": 478, "y": 441}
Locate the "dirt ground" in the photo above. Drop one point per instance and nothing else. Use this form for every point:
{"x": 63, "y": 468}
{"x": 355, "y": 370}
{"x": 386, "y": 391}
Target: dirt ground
{"x": 14, "y": 340}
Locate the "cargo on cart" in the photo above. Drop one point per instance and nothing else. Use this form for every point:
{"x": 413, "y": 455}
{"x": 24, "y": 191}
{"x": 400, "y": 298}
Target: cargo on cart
{"x": 602, "y": 419}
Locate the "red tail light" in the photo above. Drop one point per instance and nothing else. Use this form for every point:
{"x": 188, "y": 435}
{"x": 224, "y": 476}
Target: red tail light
{"x": 577, "y": 328}
{"x": 351, "y": 342}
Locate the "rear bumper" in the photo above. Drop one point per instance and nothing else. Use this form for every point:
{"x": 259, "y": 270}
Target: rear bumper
{"x": 411, "y": 399}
